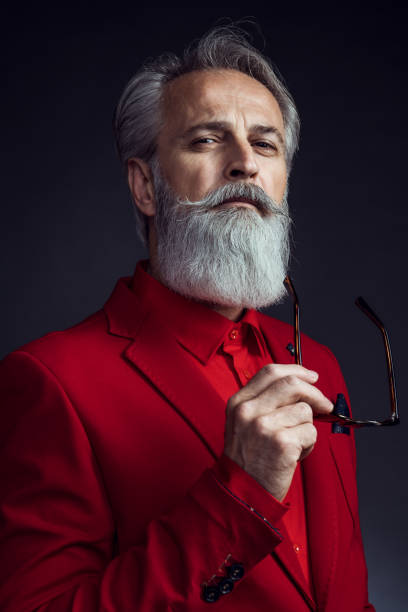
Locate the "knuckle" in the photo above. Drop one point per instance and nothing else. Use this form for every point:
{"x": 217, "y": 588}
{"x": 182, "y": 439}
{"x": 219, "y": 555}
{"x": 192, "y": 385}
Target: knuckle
{"x": 291, "y": 379}
{"x": 282, "y": 439}
{"x": 306, "y": 410}
{"x": 269, "y": 369}
{"x": 261, "y": 427}
{"x": 312, "y": 431}
{"x": 244, "y": 411}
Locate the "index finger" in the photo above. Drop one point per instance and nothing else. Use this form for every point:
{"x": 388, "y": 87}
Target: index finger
{"x": 269, "y": 374}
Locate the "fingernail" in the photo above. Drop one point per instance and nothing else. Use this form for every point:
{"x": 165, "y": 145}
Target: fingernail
{"x": 314, "y": 374}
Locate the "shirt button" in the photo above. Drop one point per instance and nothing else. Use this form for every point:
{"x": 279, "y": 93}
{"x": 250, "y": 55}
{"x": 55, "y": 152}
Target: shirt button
{"x": 296, "y": 548}
{"x": 246, "y": 374}
{"x": 234, "y": 333}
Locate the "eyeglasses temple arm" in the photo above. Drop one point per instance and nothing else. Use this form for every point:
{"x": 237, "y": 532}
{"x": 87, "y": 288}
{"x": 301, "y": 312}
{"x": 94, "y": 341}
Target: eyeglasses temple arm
{"x": 298, "y": 348}
{"x": 369, "y": 312}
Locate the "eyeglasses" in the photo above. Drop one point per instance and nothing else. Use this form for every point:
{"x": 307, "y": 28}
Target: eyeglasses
{"x": 340, "y": 414}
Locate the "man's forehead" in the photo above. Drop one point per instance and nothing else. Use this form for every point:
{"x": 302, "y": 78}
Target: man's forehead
{"x": 204, "y": 94}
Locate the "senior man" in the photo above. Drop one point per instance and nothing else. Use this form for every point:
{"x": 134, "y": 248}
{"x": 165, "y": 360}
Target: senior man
{"x": 162, "y": 454}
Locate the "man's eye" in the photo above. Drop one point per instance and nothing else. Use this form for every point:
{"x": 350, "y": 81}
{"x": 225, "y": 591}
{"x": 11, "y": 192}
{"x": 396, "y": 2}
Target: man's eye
{"x": 204, "y": 140}
{"x": 266, "y": 145}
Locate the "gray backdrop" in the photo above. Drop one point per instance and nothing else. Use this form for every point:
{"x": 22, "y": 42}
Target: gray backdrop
{"x": 67, "y": 229}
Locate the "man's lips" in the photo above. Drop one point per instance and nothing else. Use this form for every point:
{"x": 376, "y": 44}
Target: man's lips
{"x": 241, "y": 202}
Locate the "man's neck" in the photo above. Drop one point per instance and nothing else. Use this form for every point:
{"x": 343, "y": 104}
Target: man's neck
{"x": 233, "y": 313}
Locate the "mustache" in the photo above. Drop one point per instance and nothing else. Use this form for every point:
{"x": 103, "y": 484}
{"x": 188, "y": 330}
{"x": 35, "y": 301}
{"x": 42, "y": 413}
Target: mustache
{"x": 239, "y": 191}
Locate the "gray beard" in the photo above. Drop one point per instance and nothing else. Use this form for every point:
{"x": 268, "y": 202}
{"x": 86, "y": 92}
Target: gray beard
{"x": 229, "y": 257}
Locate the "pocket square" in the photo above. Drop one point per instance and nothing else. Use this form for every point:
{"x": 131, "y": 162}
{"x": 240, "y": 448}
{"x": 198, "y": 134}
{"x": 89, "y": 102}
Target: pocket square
{"x": 341, "y": 407}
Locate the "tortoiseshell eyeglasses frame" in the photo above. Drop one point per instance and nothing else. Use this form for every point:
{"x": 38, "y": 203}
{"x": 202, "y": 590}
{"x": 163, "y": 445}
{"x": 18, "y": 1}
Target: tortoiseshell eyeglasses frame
{"x": 393, "y": 419}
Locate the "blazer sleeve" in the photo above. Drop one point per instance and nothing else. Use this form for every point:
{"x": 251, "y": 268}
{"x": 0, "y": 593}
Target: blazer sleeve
{"x": 56, "y": 526}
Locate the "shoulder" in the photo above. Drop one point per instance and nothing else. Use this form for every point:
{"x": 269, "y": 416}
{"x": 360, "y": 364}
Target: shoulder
{"x": 56, "y": 343}
{"x": 69, "y": 354}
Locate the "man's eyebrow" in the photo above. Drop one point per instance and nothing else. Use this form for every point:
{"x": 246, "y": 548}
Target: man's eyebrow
{"x": 225, "y": 126}
{"x": 207, "y": 125}
{"x": 268, "y": 129}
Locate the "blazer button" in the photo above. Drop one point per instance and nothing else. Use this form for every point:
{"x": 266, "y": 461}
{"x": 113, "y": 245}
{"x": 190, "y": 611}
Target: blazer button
{"x": 225, "y": 585}
{"x": 211, "y": 593}
{"x": 235, "y": 571}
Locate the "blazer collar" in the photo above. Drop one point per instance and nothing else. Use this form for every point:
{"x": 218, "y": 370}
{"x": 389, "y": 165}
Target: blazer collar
{"x": 196, "y": 326}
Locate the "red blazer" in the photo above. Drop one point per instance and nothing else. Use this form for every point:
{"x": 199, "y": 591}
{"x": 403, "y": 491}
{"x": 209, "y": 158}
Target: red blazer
{"x": 113, "y": 496}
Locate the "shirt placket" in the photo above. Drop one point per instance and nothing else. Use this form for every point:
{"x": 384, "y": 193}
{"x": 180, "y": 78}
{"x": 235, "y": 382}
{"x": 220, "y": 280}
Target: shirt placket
{"x": 236, "y": 346}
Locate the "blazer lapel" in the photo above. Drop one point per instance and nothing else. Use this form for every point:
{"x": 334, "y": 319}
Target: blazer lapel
{"x": 320, "y": 482}
{"x": 341, "y": 449}
{"x": 157, "y": 354}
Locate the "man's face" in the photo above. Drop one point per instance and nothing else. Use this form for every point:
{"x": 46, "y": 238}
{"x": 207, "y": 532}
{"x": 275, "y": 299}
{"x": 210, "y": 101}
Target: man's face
{"x": 219, "y": 220}
{"x": 221, "y": 126}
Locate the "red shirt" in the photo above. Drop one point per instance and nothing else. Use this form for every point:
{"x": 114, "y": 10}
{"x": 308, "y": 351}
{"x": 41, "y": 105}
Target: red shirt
{"x": 228, "y": 354}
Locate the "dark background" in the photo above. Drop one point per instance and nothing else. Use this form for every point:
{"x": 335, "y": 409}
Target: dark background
{"x": 67, "y": 230}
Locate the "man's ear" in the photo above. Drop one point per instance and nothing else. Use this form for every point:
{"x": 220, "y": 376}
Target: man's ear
{"x": 141, "y": 185}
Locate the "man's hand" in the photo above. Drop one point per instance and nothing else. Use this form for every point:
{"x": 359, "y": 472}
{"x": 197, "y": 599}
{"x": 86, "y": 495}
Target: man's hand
{"x": 269, "y": 424}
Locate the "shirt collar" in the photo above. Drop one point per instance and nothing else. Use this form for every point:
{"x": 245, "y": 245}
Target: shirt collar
{"x": 197, "y": 327}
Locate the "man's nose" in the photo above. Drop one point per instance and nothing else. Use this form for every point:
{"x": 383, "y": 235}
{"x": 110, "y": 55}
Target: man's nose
{"x": 242, "y": 163}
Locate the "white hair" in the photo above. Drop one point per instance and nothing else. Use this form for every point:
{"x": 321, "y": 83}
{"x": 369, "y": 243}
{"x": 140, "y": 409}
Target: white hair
{"x": 231, "y": 257}
{"x": 137, "y": 118}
